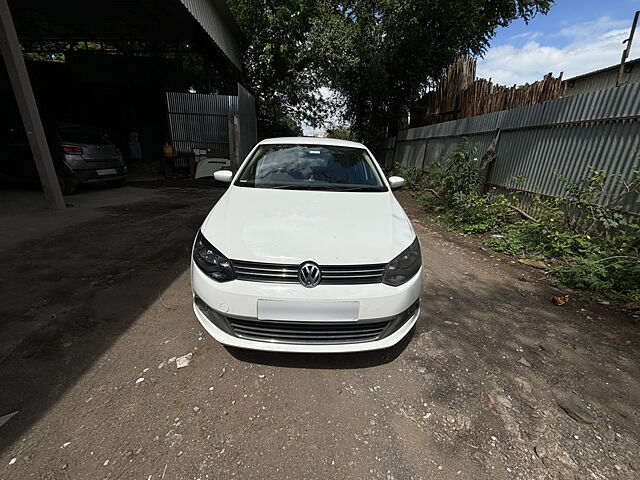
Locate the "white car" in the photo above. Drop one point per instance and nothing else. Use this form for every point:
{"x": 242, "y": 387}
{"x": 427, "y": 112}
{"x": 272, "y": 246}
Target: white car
{"x": 307, "y": 251}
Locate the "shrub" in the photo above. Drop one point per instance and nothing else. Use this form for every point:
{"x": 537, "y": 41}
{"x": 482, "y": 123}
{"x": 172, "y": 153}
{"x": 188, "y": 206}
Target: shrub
{"x": 618, "y": 276}
{"x": 596, "y": 246}
{"x": 458, "y": 175}
{"x": 547, "y": 235}
{"x": 591, "y": 202}
{"x": 541, "y": 238}
{"x": 413, "y": 177}
{"x": 474, "y": 213}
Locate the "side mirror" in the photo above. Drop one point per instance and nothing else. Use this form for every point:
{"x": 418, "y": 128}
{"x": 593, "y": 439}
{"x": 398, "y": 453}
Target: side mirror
{"x": 227, "y": 175}
{"x": 396, "y": 182}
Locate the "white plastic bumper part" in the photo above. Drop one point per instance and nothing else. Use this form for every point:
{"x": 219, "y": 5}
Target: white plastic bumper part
{"x": 240, "y": 299}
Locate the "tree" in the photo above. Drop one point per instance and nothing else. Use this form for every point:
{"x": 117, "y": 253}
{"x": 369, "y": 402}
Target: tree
{"x": 341, "y": 133}
{"x": 279, "y": 63}
{"x": 381, "y": 55}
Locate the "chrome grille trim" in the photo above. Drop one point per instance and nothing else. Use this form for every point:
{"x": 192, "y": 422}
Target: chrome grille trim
{"x": 331, "y": 274}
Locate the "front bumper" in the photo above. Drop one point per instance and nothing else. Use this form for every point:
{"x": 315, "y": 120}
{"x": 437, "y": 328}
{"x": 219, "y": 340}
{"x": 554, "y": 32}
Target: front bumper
{"x": 219, "y": 305}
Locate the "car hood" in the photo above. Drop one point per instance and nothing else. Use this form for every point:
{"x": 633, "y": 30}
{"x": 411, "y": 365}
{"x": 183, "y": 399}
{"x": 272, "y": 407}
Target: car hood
{"x": 291, "y": 226}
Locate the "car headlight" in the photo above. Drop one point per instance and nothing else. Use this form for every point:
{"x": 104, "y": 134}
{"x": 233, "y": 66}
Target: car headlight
{"x": 402, "y": 268}
{"x": 211, "y": 261}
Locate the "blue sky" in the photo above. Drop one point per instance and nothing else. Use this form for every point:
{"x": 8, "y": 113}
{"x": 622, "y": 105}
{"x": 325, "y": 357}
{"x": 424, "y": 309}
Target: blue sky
{"x": 577, "y": 36}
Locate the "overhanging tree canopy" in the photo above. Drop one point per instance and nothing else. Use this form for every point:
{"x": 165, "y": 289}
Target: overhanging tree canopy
{"x": 379, "y": 55}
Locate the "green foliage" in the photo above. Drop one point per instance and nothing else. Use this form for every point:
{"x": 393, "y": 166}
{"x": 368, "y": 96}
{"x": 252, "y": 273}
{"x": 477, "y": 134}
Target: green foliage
{"x": 618, "y": 277}
{"x": 543, "y": 239}
{"x": 379, "y": 55}
{"x": 279, "y": 126}
{"x": 382, "y": 55}
{"x": 458, "y": 175}
{"x": 341, "y": 133}
{"x": 594, "y": 247}
{"x": 475, "y": 213}
{"x": 279, "y": 63}
{"x": 413, "y": 177}
{"x": 591, "y": 205}
{"x": 545, "y": 236}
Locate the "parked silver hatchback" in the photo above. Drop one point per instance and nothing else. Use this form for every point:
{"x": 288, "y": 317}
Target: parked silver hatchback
{"x": 87, "y": 155}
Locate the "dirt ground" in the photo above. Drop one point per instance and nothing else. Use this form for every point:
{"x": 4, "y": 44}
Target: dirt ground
{"x": 495, "y": 382}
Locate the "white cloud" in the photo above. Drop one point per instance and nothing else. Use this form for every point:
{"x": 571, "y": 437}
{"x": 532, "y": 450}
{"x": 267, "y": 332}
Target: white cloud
{"x": 527, "y": 36}
{"x": 584, "y": 47}
{"x": 593, "y": 27}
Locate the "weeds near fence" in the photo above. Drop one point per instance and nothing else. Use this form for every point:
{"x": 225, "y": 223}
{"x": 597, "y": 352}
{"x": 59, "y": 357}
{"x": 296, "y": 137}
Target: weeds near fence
{"x": 589, "y": 244}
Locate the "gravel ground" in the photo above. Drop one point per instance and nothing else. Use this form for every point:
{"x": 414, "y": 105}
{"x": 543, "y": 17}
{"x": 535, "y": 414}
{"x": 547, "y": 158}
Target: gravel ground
{"x": 494, "y": 382}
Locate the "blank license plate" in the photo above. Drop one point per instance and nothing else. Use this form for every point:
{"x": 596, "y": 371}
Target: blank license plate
{"x": 311, "y": 311}
{"x": 107, "y": 171}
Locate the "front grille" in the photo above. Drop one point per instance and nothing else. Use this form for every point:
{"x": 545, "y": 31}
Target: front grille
{"x": 331, "y": 274}
{"x": 321, "y": 333}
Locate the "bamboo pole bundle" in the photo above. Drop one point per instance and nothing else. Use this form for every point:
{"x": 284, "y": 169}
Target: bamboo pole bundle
{"x": 461, "y": 95}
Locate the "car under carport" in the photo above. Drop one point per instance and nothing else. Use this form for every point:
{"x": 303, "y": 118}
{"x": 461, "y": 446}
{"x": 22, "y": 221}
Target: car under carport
{"x": 111, "y": 65}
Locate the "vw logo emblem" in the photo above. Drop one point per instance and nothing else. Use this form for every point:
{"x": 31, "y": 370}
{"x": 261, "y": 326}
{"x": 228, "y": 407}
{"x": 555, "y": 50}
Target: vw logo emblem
{"x": 309, "y": 274}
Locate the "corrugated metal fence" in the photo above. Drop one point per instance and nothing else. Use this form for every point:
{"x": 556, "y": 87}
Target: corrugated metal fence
{"x": 198, "y": 120}
{"x": 202, "y": 121}
{"x": 599, "y": 129}
{"x": 248, "y": 121}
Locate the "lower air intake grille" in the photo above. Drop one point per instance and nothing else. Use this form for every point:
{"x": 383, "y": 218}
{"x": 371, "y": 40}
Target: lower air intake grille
{"x": 322, "y": 333}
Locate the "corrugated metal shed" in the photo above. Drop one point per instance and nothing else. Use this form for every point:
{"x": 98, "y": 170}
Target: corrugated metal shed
{"x": 601, "y": 79}
{"x": 216, "y": 19}
{"x": 201, "y": 24}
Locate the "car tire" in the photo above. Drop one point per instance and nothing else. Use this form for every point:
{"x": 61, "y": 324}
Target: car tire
{"x": 67, "y": 186}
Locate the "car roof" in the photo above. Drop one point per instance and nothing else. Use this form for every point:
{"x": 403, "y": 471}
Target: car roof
{"x": 310, "y": 141}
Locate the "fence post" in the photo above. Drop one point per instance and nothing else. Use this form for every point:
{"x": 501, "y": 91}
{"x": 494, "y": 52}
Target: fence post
{"x": 488, "y": 160}
{"x": 234, "y": 141}
{"x": 424, "y": 157}
{"x": 393, "y": 156}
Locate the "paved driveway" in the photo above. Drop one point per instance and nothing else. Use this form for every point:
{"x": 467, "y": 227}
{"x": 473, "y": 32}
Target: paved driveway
{"x": 483, "y": 388}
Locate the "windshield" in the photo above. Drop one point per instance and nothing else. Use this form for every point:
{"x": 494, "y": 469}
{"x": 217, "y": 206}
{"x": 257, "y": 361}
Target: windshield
{"x": 311, "y": 167}
{"x": 81, "y": 134}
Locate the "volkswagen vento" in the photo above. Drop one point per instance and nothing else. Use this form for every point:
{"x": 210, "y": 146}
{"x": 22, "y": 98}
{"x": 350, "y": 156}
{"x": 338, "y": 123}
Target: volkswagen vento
{"x": 308, "y": 250}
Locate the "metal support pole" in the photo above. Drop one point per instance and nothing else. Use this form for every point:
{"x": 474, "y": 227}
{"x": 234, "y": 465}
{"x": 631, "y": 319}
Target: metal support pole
{"x": 13, "y": 59}
{"x": 625, "y": 53}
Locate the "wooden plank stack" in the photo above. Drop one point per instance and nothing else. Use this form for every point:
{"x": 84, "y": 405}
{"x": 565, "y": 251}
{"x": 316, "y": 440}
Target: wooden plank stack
{"x": 461, "y": 95}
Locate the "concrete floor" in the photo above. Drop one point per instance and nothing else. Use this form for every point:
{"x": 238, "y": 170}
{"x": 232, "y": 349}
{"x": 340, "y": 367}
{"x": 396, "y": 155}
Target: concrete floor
{"x": 25, "y": 215}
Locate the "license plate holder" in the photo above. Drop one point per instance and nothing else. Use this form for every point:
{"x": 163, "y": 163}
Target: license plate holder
{"x": 308, "y": 311}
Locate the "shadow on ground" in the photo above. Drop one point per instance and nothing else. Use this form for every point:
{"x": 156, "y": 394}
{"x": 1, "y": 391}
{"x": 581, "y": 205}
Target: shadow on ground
{"x": 69, "y": 293}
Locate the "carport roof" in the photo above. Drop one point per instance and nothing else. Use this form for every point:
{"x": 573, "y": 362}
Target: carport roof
{"x": 184, "y": 22}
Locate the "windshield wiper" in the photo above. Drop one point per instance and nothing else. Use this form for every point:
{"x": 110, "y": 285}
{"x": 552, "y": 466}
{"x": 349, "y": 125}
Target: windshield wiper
{"x": 290, "y": 187}
{"x": 328, "y": 188}
{"x": 360, "y": 189}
